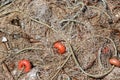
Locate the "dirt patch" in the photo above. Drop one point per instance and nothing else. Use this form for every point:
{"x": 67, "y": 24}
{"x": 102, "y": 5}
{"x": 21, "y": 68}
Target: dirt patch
{"x": 88, "y": 29}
